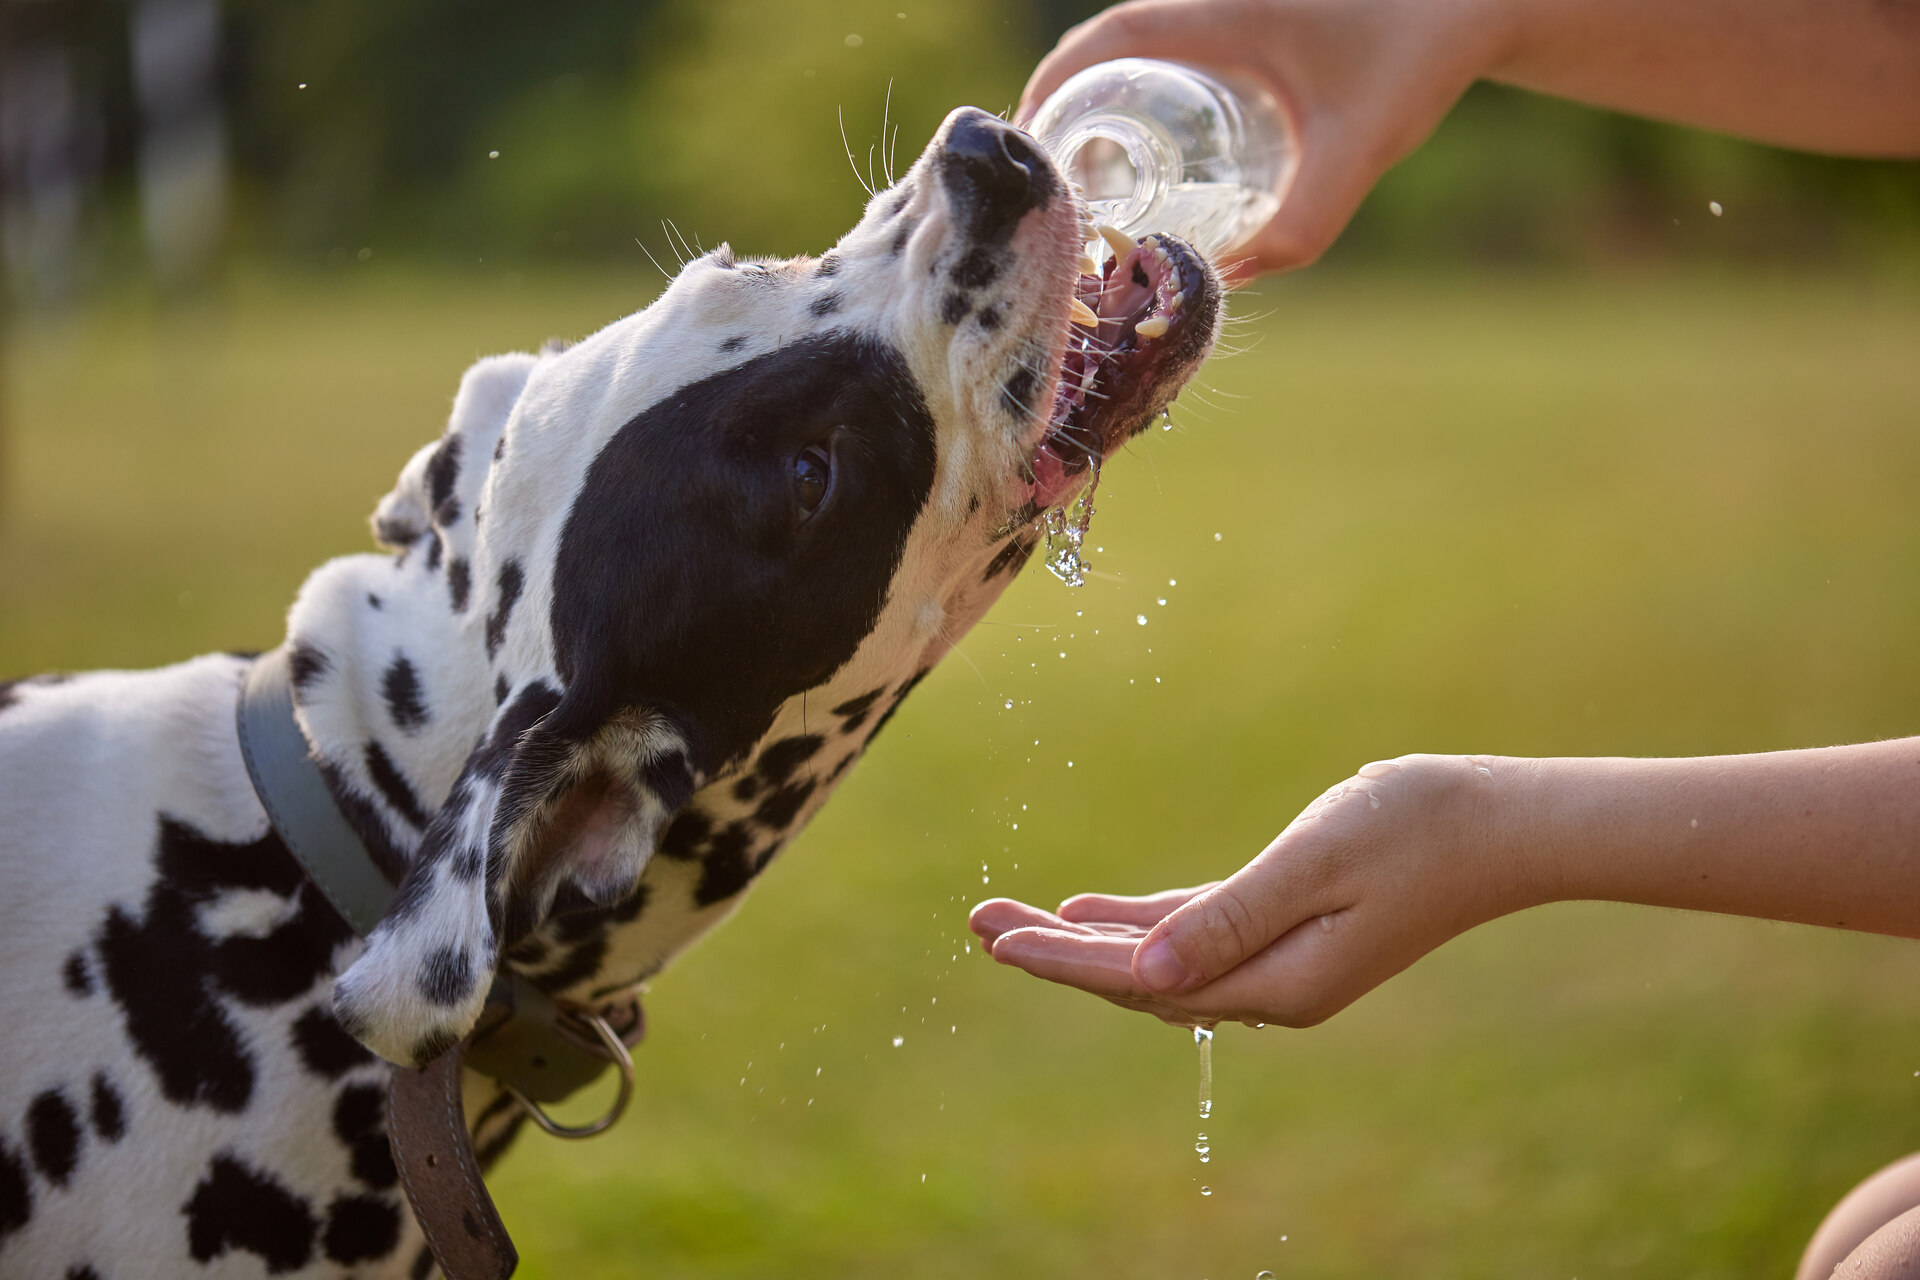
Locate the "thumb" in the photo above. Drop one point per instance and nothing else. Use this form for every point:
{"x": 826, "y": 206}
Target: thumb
{"x": 1327, "y": 186}
{"x": 1213, "y": 933}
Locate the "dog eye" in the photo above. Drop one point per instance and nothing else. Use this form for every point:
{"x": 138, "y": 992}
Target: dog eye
{"x": 812, "y": 472}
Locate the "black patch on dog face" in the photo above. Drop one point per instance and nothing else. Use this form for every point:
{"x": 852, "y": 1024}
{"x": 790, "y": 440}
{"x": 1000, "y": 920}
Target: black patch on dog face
{"x": 239, "y": 1208}
{"x": 721, "y": 602}
{"x": 459, "y": 583}
{"x": 53, "y": 1135}
{"x": 16, "y": 1193}
{"x": 374, "y": 601}
{"x": 954, "y": 308}
{"x": 435, "y": 549}
{"x": 82, "y": 1272}
{"x": 894, "y": 706}
{"x": 75, "y": 976}
{"x": 901, "y": 238}
{"x": 1010, "y": 559}
{"x": 1021, "y": 389}
{"x": 108, "y": 1113}
{"x": 824, "y": 305}
{"x": 400, "y": 686}
{"x": 734, "y": 343}
{"x": 829, "y": 265}
{"x": 361, "y": 1228}
{"x": 393, "y": 784}
{"x": 9, "y": 693}
{"x": 501, "y": 688}
{"x": 977, "y": 269}
{"x": 989, "y": 317}
{"x": 510, "y": 583}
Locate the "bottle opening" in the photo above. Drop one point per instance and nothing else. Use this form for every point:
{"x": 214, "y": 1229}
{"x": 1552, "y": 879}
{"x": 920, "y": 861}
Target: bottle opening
{"x": 1122, "y": 165}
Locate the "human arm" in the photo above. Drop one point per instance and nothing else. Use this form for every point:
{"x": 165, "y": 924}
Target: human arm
{"x": 1366, "y": 81}
{"x": 1388, "y": 865}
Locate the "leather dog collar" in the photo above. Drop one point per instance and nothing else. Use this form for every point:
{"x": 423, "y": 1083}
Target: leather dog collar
{"x": 535, "y": 1047}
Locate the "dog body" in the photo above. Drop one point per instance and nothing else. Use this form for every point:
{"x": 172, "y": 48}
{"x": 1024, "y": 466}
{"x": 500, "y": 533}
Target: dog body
{"x": 648, "y": 598}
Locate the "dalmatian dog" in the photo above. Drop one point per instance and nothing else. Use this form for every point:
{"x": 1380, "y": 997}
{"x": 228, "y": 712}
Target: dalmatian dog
{"x": 641, "y": 607}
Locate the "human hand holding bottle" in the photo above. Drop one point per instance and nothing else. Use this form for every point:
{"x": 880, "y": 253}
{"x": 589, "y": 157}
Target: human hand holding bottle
{"x": 1364, "y": 82}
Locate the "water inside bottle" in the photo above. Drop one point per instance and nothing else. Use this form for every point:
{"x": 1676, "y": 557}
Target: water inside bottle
{"x": 1211, "y": 216}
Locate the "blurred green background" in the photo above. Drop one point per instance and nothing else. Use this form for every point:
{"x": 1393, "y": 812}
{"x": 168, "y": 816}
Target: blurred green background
{"x": 1598, "y": 485}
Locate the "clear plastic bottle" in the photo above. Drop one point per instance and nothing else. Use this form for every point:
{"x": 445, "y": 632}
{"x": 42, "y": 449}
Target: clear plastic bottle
{"x": 1161, "y": 146}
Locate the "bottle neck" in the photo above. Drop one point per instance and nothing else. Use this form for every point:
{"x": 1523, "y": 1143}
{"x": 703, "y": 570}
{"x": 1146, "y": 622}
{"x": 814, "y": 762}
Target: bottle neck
{"x": 1124, "y": 163}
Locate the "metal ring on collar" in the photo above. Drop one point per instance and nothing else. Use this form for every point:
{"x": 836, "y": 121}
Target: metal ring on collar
{"x": 617, "y": 1052}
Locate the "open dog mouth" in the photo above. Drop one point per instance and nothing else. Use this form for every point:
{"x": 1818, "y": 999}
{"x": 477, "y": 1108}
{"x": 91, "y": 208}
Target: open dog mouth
{"x": 1139, "y": 324}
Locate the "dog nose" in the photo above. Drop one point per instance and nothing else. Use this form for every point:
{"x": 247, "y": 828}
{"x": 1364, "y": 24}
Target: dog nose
{"x": 993, "y": 172}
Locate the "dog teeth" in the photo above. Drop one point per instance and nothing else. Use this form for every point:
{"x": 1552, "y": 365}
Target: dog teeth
{"x": 1179, "y": 300}
{"x": 1119, "y": 241}
{"x": 1088, "y": 267}
{"x": 1153, "y": 327}
{"x": 1173, "y": 280}
{"x": 1084, "y": 314}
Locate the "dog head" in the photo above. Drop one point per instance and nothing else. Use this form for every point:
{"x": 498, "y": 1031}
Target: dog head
{"x": 724, "y": 536}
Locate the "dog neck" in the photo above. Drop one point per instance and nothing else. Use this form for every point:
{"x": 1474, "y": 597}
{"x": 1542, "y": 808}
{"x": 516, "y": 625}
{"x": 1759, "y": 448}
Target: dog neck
{"x": 390, "y": 687}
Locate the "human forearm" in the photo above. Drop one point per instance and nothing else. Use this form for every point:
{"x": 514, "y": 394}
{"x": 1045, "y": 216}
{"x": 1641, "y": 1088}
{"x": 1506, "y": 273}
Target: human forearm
{"x": 1828, "y": 836}
{"x": 1838, "y": 76}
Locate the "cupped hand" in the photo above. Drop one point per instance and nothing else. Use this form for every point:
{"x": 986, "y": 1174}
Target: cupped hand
{"x": 1363, "y": 82}
{"x": 1375, "y": 873}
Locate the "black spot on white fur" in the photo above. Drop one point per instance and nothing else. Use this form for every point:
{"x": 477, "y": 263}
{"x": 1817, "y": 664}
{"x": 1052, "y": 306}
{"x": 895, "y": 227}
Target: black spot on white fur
{"x": 459, "y": 583}
{"x": 305, "y": 665}
{"x": 824, "y": 305}
{"x": 393, "y": 784}
{"x": 107, "y": 1113}
{"x": 74, "y": 975}
{"x": 443, "y": 470}
{"x": 359, "y": 1121}
{"x": 324, "y": 1045}
{"x": 167, "y": 976}
{"x": 242, "y": 1209}
{"x": 510, "y": 583}
{"x": 361, "y": 1228}
{"x": 53, "y": 1135}
{"x": 400, "y": 687}
{"x": 447, "y": 978}
{"x": 16, "y": 1193}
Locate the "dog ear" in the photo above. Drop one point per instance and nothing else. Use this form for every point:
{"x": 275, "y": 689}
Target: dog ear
{"x": 552, "y": 799}
{"x": 442, "y": 482}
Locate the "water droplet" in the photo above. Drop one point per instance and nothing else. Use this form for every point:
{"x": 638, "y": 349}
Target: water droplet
{"x": 1206, "y": 1191}
{"x": 1141, "y": 619}
{"x": 1009, "y": 704}
{"x": 854, "y": 42}
{"x": 1326, "y": 924}
{"x": 1373, "y": 801}
{"x": 1216, "y": 537}
{"x": 1203, "y": 1037}
{"x": 1163, "y": 602}
{"x": 1713, "y": 207}
{"x": 1067, "y": 531}
{"x": 898, "y": 1041}
{"x": 493, "y": 155}
{"x": 1173, "y": 582}
{"x": 1266, "y": 1275}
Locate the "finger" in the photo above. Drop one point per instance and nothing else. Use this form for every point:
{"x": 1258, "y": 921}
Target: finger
{"x": 1236, "y": 919}
{"x": 996, "y": 916}
{"x": 1105, "y": 908}
{"x": 1100, "y": 965}
{"x": 1142, "y": 28}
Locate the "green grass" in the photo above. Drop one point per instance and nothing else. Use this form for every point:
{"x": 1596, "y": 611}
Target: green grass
{"x": 1637, "y": 516}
